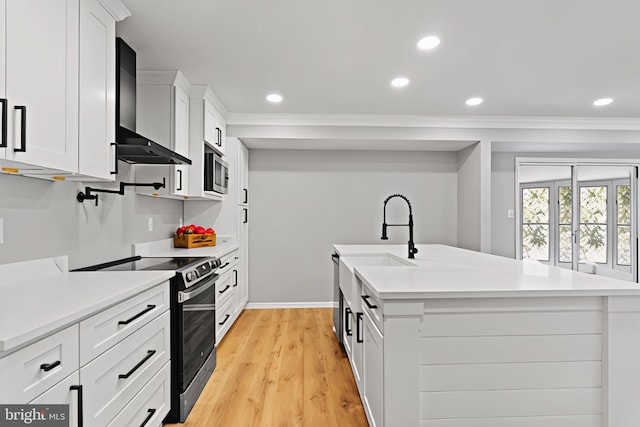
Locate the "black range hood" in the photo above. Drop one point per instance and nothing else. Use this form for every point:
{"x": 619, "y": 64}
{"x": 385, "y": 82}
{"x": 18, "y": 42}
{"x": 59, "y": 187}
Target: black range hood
{"x": 132, "y": 147}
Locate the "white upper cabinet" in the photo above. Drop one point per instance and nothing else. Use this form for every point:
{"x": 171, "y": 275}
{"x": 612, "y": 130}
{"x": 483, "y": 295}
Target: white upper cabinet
{"x": 41, "y": 86}
{"x": 97, "y": 91}
{"x": 214, "y": 125}
{"x": 162, "y": 112}
{"x": 59, "y": 87}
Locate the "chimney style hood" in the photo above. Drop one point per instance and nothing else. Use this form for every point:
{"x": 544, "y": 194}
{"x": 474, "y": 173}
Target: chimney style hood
{"x": 132, "y": 147}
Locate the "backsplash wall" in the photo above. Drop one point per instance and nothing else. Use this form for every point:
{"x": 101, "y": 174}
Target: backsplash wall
{"x": 43, "y": 219}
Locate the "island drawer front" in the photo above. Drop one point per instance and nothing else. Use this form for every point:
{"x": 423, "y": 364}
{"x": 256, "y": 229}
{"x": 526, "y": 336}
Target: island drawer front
{"x": 139, "y": 356}
{"x": 105, "y": 329}
{"x": 225, "y": 288}
{"x": 151, "y": 405}
{"x": 373, "y": 307}
{"x": 29, "y": 372}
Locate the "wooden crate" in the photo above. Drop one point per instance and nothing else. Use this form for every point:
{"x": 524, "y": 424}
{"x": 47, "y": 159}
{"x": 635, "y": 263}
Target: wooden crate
{"x": 194, "y": 240}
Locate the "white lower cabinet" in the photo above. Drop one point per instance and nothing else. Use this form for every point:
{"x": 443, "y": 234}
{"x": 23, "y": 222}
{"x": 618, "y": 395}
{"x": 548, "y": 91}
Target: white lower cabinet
{"x": 118, "y": 360}
{"x": 372, "y": 372}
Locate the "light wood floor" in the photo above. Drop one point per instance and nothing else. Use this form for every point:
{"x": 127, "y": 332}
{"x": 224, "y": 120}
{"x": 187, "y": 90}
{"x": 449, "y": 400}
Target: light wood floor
{"x": 280, "y": 367}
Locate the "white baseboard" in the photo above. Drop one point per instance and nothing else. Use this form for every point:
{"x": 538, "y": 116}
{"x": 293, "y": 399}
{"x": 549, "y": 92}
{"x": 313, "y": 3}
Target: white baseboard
{"x": 252, "y": 305}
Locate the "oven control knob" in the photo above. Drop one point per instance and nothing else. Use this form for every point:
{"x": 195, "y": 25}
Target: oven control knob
{"x": 190, "y": 276}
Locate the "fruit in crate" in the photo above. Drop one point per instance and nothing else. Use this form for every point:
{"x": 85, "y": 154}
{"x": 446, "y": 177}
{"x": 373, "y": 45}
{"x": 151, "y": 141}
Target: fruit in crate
{"x": 194, "y": 229}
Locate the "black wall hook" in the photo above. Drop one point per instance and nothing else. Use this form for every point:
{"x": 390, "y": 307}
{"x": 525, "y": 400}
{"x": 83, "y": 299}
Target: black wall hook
{"x": 81, "y": 197}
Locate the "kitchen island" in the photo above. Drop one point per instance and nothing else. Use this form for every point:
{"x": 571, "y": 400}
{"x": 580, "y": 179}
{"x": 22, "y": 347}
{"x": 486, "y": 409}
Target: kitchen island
{"x": 456, "y": 338}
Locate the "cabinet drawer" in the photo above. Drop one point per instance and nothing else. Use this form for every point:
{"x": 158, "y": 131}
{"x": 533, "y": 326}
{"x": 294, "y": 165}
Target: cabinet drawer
{"x": 227, "y": 263}
{"x": 107, "y": 328}
{"x": 151, "y": 405}
{"x": 224, "y": 318}
{"x": 225, "y": 287}
{"x": 34, "y": 369}
{"x": 373, "y": 307}
{"x": 114, "y": 378}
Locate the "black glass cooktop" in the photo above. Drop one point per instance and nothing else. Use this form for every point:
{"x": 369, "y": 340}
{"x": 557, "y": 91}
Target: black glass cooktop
{"x": 145, "y": 263}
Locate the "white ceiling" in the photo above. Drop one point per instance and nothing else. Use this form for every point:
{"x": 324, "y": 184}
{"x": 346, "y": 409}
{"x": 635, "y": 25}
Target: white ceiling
{"x": 524, "y": 57}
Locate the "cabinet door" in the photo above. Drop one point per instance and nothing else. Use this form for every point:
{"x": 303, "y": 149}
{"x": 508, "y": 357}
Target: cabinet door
{"x": 181, "y": 140}
{"x": 356, "y": 349}
{"x": 3, "y": 93}
{"x": 210, "y": 124}
{"x": 372, "y": 364}
{"x": 42, "y": 82}
{"x": 66, "y": 392}
{"x": 242, "y": 173}
{"x": 243, "y": 261}
{"x": 97, "y": 91}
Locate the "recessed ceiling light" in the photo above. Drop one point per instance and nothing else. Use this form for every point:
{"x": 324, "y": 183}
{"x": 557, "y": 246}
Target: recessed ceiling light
{"x": 602, "y": 102}
{"x": 274, "y": 97}
{"x": 400, "y": 82}
{"x": 428, "y": 42}
{"x": 474, "y": 101}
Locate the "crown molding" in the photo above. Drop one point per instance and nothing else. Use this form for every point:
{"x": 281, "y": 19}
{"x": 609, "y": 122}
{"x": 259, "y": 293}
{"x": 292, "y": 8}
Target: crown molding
{"x": 465, "y": 122}
{"x": 116, "y": 8}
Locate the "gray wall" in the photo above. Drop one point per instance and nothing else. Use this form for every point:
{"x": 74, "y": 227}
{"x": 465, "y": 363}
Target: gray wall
{"x": 304, "y": 201}
{"x": 469, "y": 193}
{"x": 43, "y": 219}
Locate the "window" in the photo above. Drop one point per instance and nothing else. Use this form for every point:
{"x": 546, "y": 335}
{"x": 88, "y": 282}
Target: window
{"x": 593, "y": 224}
{"x": 623, "y": 225}
{"x": 535, "y": 223}
{"x": 565, "y": 216}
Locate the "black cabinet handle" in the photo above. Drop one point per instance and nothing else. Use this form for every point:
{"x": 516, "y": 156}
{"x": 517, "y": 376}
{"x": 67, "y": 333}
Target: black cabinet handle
{"x": 149, "y": 355}
{"x": 115, "y": 160}
{"x": 149, "y": 416}
{"x": 246, "y": 216}
{"x": 23, "y": 129}
{"x": 78, "y": 388}
{"x": 3, "y": 141}
{"x": 49, "y": 366}
{"x": 219, "y": 137}
{"x": 142, "y": 313}
{"x": 347, "y": 316}
{"x": 223, "y": 266}
{"x": 365, "y": 298}
{"x": 222, "y": 291}
{"x": 179, "y": 180}
{"x": 235, "y": 272}
{"x": 246, "y": 195}
{"x": 226, "y": 317}
{"x": 358, "y": 331}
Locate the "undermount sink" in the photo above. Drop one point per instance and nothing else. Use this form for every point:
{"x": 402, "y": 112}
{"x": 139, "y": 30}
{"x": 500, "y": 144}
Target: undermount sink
{"x": 377, "y": 260}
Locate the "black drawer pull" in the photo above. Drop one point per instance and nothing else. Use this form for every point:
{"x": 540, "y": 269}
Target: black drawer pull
{"x": 3, "y": 141}
{"x": 78, "y": 388}
{"x": 347, "y": 317}
{"x": 358, "y": 329}
{"x": 235, "y": 283}
{"x": 222, "y": 291}
{"x": 246, "y": 195}
{"x": 149, "y": 355}
{"x": 142, "y": 313}
{"x": 49, "y": 366}
{"x": 223, "y": 266}
{"x": 226, "y": 317}
{"x": 365, "y": 298}
{"x": 146, "y": 420}
{"x": 23, "y": 129}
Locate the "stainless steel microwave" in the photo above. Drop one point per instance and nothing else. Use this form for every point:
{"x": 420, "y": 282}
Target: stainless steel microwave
{"x": 216, "y": 172}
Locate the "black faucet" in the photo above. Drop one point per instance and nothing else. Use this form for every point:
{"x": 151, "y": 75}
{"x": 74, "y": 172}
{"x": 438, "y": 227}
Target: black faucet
{"x": 412, "y": 246}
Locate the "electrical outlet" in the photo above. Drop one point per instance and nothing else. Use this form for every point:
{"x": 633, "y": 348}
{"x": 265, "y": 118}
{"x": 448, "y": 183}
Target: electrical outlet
{"x": 150, "y": 224}
{"x": 510, "y": 213}
{"x": 1, "y": 231}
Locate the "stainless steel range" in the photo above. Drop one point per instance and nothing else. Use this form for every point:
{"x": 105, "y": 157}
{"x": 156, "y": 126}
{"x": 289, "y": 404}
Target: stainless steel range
{"x": 193, "y": 340}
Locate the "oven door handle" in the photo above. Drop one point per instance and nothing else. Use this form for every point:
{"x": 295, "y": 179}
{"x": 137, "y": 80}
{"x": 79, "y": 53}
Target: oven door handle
{"x": 186, "y": 296}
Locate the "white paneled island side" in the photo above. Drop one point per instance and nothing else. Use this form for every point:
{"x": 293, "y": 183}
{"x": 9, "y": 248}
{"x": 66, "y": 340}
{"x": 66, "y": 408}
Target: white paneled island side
{"x": 456, "y": 338}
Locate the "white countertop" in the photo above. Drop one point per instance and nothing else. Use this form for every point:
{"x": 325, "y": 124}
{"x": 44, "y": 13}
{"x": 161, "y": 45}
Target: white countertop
{"x": 164, "y": 248}
{"x": 36, "y": 307}
{"x": 446, "y": 272}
